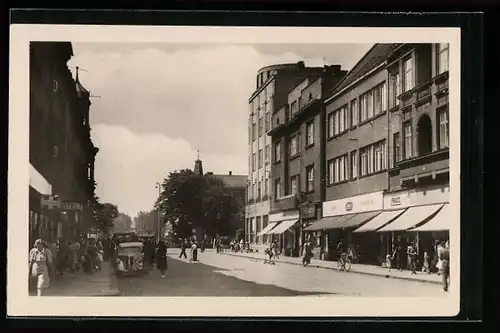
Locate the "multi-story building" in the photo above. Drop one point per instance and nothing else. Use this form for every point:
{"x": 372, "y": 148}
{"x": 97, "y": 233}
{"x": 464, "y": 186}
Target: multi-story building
{"x": 383, "y": 185}
{"x": 61, "y": 152}
{"x": 297, "y": 168}
{"x": 272, "y": 86}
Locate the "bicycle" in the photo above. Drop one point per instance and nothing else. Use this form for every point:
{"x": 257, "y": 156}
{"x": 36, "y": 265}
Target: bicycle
{"x": 344, "y": 263}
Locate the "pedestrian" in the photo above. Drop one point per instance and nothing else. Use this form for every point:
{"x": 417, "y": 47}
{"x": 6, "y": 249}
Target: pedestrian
{"x": 399, "y": 254}
{"x": 412, "y": 258}
{"x": 439, "y": 263}
{"x": 444, "y": 257}
{"x": 161, "y": 258}
{"x": 183, "y": 249}
{"x": 62, "y": 256}
{"x": 194, "y": 252}
{"x": 40, "y": 265}
{"x": 426, "y": 268}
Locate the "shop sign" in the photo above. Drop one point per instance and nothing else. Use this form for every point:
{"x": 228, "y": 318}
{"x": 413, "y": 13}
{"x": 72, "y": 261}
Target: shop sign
{"x": 284, "y": 216}
{"x": 404, "y": 199}
{"x": 308, "y": 211}
{"x": 71, "y": 206}
{"x": 361, "y": 203}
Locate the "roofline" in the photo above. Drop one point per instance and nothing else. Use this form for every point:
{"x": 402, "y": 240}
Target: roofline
{"x": 262, "y": 87}
{"x": 382, "y": 64}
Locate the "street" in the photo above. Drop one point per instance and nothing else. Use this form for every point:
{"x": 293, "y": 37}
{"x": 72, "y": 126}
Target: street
{"x": 223, "y": 275}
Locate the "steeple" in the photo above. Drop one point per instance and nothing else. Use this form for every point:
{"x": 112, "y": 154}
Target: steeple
{"x": 198, "y": 167}
{"x": 80, "y": 90}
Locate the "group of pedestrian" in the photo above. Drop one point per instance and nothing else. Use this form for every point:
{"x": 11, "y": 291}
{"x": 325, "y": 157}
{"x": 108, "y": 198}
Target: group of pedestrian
{"x": 193, "y": 254}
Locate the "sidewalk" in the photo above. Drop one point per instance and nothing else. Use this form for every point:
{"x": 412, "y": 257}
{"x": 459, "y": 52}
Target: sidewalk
{"x": 102, "y": 283}
{"x": 356, "y": 268}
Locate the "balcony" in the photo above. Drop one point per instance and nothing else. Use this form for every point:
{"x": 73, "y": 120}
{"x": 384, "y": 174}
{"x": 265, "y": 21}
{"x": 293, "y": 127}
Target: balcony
{"x": 278, "y": 121}
{"x": 305, "y": 109}
{"x": 285, "y": 203}
{"x": 423, "y": 93}
{"x": 429, "y": 165}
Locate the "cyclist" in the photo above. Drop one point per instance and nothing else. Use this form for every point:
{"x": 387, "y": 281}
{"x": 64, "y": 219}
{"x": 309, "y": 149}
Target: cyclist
{"x": 341, "y": 253}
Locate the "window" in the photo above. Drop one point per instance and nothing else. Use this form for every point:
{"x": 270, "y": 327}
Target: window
{"x": 310, "y": 178}
{"x": 366, "y": 106}
{"x": 354, "y": 164}
{"x": 310, "y": 133}
{"x": 267, "y": 154}
{"x": 249, "y": 192}
{"x": 379, "y": 99}
{"x": 250, "y": 163}
{"x": 293, "y": 107}
{"x": 394, "y": 90}
{"x": 277, "y": 152}
{"x": 444, "y": 129}
{"x": 337, "y": 121}
{"x": 277, "y": 188}
{"x": 408, "y": 152}
{"x": 443, "y": 55}
{"x": 261, "y": 128}
{"x": 408, "y": 74}
{"x": 266, "y": 187}
{"x": 254, "y": 132}
{"x": 337, "y": 170}
{"x": 294, "y": 183}
{"x": 250, "y": 130}
{"x": 261, "y": 159}
{"x": 259, "y": 190}
{"x": 253, "y": 191}
{"x": 396, "y": 147}
{"x": 268, "y": 121}
{"x": 379, "y": 156}
{"x": 354, "y": 113}
{"x": 258, "y": 229}
{"x": 254, "y": 161}
{"x": 293, "y": 146}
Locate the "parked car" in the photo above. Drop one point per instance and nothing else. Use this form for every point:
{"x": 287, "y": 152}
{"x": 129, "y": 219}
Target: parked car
{"x": 130, "y": 259}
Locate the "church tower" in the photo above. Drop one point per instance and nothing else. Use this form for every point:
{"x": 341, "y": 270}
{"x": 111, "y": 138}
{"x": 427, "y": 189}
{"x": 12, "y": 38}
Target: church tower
{"x": 198, "y": 167}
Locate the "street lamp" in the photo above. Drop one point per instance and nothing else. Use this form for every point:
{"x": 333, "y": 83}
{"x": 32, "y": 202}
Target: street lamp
{"x": 357, "y": 160}
{"x": 158, "y": 186}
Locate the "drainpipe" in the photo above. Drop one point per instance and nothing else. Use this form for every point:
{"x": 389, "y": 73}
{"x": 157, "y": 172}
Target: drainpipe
{"x": 388, "y": 131}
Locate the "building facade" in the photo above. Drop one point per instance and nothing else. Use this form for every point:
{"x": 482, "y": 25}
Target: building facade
{"x": 271, "y": 93}
{"x": 61, "y": 152}
{"x": 297, "y": 168}
{"x": 386, "y": 154}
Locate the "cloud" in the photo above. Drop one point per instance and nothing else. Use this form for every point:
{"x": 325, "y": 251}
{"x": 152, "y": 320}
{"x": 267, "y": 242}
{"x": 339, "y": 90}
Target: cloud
{"x": 158, "y": 104}
{"x": 128, "y": 164}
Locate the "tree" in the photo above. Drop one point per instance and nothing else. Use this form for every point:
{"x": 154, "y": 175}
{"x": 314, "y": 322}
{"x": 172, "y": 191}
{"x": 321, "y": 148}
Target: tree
{"x": 190, "y": 201}
{"x": 240, "y": 234}
{"x": 103, "y": 214}
{"x": 146, "y": 221}
{"x": 122, "y": 223}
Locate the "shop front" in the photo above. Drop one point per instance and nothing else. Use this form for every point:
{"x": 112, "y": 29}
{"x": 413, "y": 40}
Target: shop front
{"x": 414, "y": 216}
{"x": 340, "y": 218}
{"x": 285, "y": 230}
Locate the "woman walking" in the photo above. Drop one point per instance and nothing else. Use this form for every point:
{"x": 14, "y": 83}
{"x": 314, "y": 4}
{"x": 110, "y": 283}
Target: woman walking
{"x": 161, "y": 258}
{"x": 40, "y": 261}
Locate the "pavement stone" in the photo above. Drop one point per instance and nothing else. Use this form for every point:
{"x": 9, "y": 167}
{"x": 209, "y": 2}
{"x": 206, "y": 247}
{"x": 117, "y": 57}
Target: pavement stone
{"x": 102, "y": 283}
{"x": 356, "y": 268}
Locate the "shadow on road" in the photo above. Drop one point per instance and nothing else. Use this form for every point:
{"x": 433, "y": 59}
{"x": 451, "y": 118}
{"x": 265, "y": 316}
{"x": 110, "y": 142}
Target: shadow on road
{"x": 186, "y": 278}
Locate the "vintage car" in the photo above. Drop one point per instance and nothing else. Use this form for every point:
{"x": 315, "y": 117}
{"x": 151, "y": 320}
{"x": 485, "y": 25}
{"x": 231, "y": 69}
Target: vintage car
{"x": 130, "y": 259}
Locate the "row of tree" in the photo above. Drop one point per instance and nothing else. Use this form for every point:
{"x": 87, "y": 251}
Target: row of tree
{"x": 106, "y": 217}
{"x": 190, "y": 201}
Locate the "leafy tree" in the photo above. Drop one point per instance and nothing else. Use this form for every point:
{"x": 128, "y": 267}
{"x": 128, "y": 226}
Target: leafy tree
{"x": 146, "y": 221}
{"x": 122, "y": 222}
{"x": 103, "y": 215}
{"x": 240, "y": 234}
{"x": 190, "y": 201}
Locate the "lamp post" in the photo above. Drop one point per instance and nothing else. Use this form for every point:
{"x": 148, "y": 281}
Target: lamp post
{"x": 158, "y": 186}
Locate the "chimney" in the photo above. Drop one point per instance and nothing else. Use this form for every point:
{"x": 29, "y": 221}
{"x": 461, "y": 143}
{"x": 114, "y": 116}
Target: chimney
{"x": 230, "y": 173}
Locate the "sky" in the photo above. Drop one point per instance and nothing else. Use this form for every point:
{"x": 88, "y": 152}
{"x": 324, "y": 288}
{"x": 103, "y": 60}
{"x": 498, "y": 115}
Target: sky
{"x": 155, "y": 105}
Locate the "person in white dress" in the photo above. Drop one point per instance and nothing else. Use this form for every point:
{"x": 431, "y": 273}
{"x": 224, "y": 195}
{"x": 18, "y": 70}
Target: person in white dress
{"x": 41, "y": 267}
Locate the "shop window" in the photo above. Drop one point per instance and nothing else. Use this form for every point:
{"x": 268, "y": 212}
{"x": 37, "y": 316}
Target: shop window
{"x": 424, "y": 131}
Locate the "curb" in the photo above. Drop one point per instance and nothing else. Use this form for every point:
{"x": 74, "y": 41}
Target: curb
{"x": 333, "y": 269}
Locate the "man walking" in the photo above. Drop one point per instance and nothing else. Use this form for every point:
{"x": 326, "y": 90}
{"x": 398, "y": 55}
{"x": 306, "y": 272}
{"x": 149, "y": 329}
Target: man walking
{"x": 444, "y": 256}
{"x": 183, "y": 249}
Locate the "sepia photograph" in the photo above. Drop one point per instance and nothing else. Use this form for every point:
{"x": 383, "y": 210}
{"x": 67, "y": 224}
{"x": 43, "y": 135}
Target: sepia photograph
{"x": 248, "y": 168}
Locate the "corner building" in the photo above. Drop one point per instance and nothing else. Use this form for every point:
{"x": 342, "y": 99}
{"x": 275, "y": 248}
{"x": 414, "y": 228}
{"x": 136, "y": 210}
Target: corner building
{"x": 271, "y": 93}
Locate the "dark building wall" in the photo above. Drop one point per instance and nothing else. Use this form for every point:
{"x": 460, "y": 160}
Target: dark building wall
{"x": 371, "y": 131}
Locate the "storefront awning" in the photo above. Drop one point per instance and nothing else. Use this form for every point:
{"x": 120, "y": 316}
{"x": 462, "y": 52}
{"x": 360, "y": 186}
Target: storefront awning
{"x": 440, "y": 222}
{"x": 267, "y": 228}
{"x": 359, "y": 219}
{"x": 380, "y": 220}
{"x": 330, "y": 222}
{"x": 282, "y": 227}
{"x": 412, "y": 217}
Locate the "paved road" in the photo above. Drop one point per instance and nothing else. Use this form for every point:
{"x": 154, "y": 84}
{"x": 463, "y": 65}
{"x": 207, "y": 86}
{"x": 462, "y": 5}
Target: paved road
{"x": 222, "y": 275}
